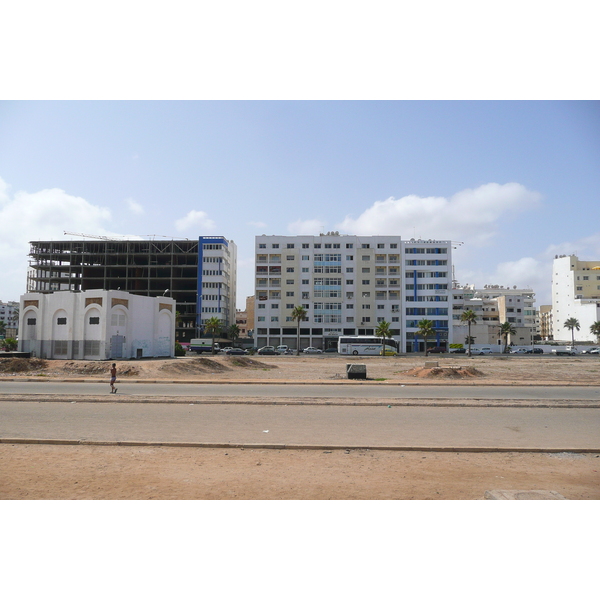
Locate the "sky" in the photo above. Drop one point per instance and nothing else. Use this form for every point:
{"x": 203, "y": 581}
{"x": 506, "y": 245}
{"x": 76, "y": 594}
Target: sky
{"x": 512, "y": 182}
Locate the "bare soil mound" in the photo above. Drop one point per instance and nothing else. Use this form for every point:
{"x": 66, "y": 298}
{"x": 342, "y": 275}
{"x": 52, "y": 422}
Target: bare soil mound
{"x": 446, "y": 373}
{"x": 249, "y": 363}
{"x": 195, "y": 365}
{"x": 98, "y": 368}
{"x": 22, "y": 365}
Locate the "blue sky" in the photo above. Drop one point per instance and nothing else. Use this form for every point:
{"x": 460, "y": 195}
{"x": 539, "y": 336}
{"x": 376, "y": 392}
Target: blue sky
{"x": 516, "y": 181}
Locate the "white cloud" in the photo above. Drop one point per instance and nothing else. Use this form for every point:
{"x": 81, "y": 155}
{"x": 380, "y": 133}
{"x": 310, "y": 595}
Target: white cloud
{"x": 135, "y": 207}
{"x": 309, "y": 227}
{"x": 470, "y": 215}
{"x": 43, "y": 215}
{"x": 195, "y": 219}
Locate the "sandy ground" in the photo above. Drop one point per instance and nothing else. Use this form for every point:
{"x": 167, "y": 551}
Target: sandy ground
{"x": 107, "y": 472}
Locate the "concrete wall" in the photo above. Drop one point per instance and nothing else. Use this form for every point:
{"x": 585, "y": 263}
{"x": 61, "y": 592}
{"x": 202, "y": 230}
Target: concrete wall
{"x": 96, "y": 325}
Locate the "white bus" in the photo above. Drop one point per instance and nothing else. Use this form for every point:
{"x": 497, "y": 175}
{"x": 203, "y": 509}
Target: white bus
{"x": 365, "y": 344}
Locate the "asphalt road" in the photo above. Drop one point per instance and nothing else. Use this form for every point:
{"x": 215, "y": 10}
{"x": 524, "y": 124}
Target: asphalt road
{"x": 423, "y": 427}
{"x": 356, "y": 390}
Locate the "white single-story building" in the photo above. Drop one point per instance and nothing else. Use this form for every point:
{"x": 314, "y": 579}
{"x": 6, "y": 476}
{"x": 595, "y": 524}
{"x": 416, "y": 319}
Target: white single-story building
{"x": 96, "y": 325}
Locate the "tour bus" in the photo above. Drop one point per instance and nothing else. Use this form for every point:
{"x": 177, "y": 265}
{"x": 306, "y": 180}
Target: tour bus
{"x": 365, "y": 344}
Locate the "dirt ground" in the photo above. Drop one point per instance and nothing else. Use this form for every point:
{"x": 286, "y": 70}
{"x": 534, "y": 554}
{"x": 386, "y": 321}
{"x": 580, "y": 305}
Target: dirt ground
{"x": 39, "y": 471}
{"x": 458, "y": 369}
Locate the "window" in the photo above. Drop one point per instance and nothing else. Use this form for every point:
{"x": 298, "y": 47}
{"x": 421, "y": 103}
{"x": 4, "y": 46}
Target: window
{"x": 60, "y": 347}
{"x": 289, "y": 257}
{"x": 349, "y": 269}
{"x": 289, "y": 294}
{"x": 349, "y": 257}
{"x": 366, "y": 282}
{"x": 290, "y": 246}
{"x": 262, "y": 246}
{"x": 261, "y": 306}
{"x": 289, "y": 282}
{"x": 380, "y": 306}
{"x": 349, "y": 281}
{"x": 305, "y": 270}
{"x": 94, "y": 320}
{"x": 275, "y": 246}
{"x": 327, "y": 245}
{"x": 289, "y": 306}
{"x": 274, "y": 319}
{"x": 366, "y": 269}
{"x": 365, "y": 245}
{"x": 261, "y": 318}
{"x": 381, "y": 245}
{"x": 91, "y": 347}
{"x": 366, "y": 307}
{"x": 366, "y": 257}
{"x": 317, "y": 245}
{"x": 31, "y": 321}
{"x": 349, "y": 245}
{"x": 275, "y": 305}
{"x": 289, "y": 270}
{"x": 305, "y": 281}
{"x": 349, "y": 319}
{"x": 305, "y": 257}
{"x": 393, "y": 246}
{"x": 61, "y": 321}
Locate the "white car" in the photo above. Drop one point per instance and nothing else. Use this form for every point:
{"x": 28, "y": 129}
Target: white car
{"x": 519, "y": 351}
{"x": 594, "y": 350}
{"x": 482, "y": 351}
{"x": 311, "y": 350}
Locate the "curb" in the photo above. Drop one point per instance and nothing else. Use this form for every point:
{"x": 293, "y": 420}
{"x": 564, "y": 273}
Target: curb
{"x": 252, "y": 446}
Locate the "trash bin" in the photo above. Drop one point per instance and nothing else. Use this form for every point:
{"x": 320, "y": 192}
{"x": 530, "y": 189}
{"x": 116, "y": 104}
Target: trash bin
{"x": 356, "y": 371}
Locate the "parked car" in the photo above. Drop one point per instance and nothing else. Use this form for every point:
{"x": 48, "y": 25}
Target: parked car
{"x": 458, "y": 350}
{"x": 535, "y": 351}
{"x": 224, "y": 350}
{"x": 312, "y": 350}
{"x": 283, "y": 349}
{"x": 267, "y": 350}
{"x": 236, "y": 351}
{"x": 436, "y": 350}
{"x": 482, "y": 351}
{"x": 593, "y": 350}
{"x": 330, "y": 350}
{"x": 519, "y": 351}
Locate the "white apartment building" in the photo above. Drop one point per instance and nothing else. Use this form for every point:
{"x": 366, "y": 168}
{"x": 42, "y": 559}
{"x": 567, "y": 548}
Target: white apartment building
{"x": 217, "y": 280}
{"x": 575, "y": 294}
{"x": 348, "y": 284}
{"x": 493, "y": 305}
{"x": 9, "y": 313}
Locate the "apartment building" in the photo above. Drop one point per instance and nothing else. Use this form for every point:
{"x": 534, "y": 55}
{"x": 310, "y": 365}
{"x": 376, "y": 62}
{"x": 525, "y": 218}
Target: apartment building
{"x": 348, "y": 284}
{"x": 575, "y": 294}
{"x": 493, "y": 305}
{"x": 546, "y": 329}
{"x": 244, "y": 319}
{"x": 199, "y": 274}
{"x": 9, "y": 313}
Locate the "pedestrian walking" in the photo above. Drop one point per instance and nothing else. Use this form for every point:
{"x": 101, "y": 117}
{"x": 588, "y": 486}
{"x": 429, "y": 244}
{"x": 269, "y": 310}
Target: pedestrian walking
{"x": 113, "y": 378}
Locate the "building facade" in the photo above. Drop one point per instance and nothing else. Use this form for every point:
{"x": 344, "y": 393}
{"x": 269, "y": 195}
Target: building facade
{"x": 348, "y": 284}
{"x": 575, "y": 294}
{"x": 96, "y": 325}
{"x": 494, "y": 305}
{"x": 9, "y": 313}
{"x": 199, "y": 274}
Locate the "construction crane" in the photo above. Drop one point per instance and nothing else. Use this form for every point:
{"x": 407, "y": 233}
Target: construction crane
{"x": 109, "y": 239}
{"x": 94, "y": 237}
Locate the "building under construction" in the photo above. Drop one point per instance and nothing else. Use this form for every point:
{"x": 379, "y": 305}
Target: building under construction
{"x": 199, "y": 274}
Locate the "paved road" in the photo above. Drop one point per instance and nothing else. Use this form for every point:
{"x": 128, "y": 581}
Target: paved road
{"x": 352, "y": 390}
{"x": 552, "y": 429}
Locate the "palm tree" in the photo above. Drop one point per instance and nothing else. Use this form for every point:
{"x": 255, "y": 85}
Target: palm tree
{"x": 595, "y": 330}
{"x": 470, "y": 318}
{"x": 572, "y": 324}
{"x": 213, "y": 327}
{"x": 383, "y": 331}
{"x": 506, "y": 329}
{"x": 298, "y": 314}
{"x": 233, "y": 333}
{"x": 426, "y": 330}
